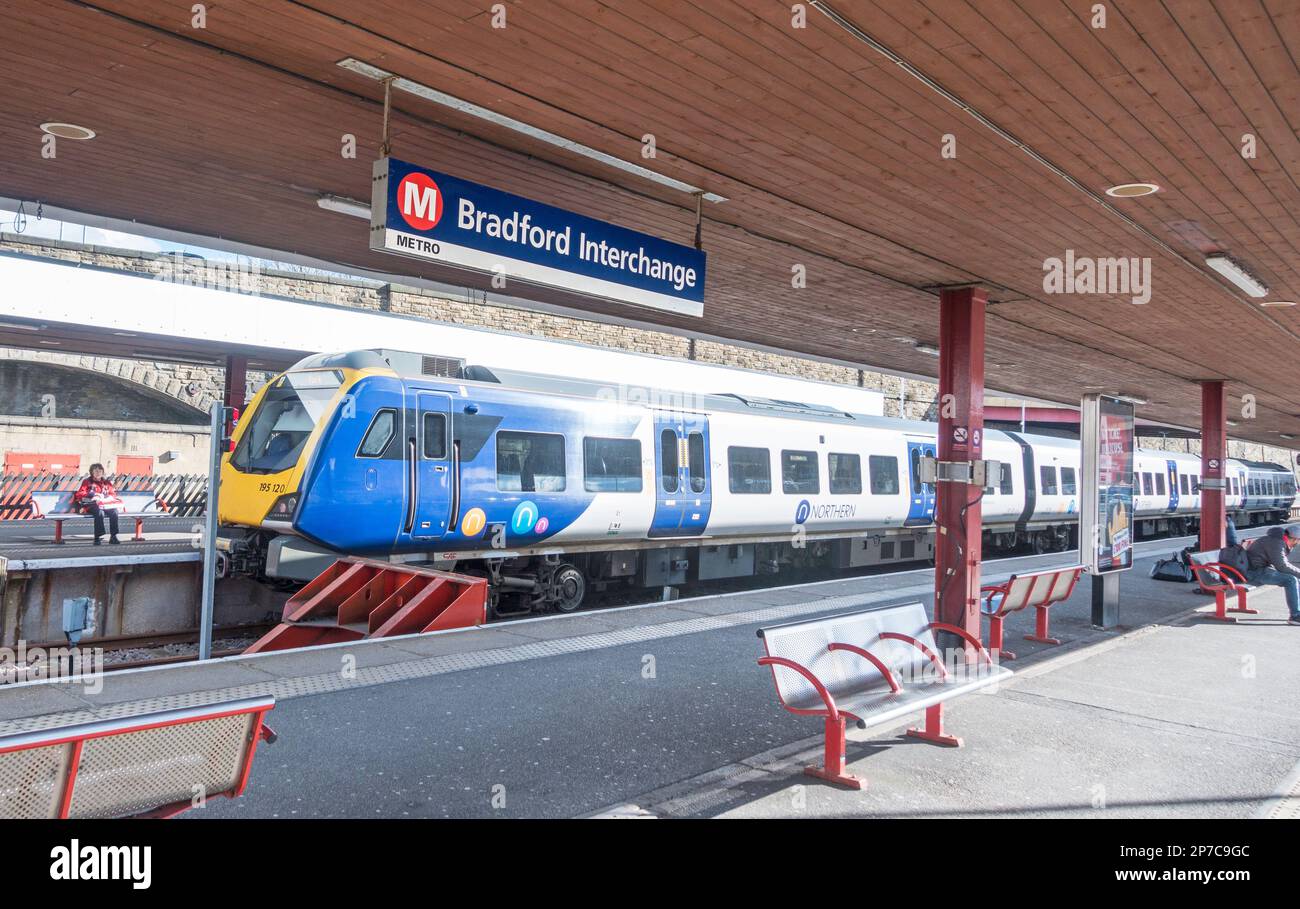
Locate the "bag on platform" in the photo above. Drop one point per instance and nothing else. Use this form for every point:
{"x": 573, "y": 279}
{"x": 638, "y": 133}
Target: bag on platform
{"x": 1172, "y": 569}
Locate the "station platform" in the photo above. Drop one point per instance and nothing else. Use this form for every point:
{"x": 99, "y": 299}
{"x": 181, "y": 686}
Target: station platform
{"x": 661, "y": 711}
{"x": 30, "y": 546}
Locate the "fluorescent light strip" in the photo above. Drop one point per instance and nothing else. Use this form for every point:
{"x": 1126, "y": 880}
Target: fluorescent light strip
{"x": 344, "y": 206}
{"x": 465, "y": 107}
{"x": 1225, "y": 266}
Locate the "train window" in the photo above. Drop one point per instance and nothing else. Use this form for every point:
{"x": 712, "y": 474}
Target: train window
{"x": 1148, "y": 485}
{"x": 884, "y": 475}
{"x": 611, "y": 465}
{"x": 749, "y": 470}
{"x": 1182, "y": 484}
{"x": 695, "y": 460}
{"x": 382, "y": 429}
{"x": 1068, "y": 484}
{"x": 1007, "y": 487}
{"x": 916, "y": 471}
{"x": 1160, "y": 484}
{"x": 799, "y": 473}
{"x": 1047, "y": 480}
{"x": 845, "y": 473}
{"x": 435, "y": 436}
{"x": 1196, "y": 486}
{"x": 530, "y": 462}
{"x": 670, "y": 466}
{"x": 281, "y": 424}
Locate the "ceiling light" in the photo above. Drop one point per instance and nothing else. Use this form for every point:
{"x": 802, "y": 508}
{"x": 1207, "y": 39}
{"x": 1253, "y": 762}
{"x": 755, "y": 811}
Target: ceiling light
{"x": 1225, "y": 266}
{"x": 465, "y": 107}
{"x": 928, "y": 349}
{"x": 68, "y": 131}
{"x": 125, "y": 334}
{"x": 52, "y": 343}
{"x": 1278, "y": 303}
{"x": 20, "y": 326}
{"x": 1286, "y": 435}
{"x": 1132, "y": 190}
{"x": 344, "y": 206}
{"x": 1231, "y": 422}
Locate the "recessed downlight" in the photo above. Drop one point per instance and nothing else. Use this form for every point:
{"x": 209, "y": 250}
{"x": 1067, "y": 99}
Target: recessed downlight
{"x": 1131, "y": 190}
{"x": 1278, "y": 303}
{"x": 68, "y": 131}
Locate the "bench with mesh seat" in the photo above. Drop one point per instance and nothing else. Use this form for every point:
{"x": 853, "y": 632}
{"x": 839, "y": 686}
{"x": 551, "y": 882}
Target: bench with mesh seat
{"x": 1220, "y": 580}
{"x": 59, "y": 507}
{"x": 148, "y": 765}
{"x": 871, "y": 667}
{"x": 1039, "y": 589}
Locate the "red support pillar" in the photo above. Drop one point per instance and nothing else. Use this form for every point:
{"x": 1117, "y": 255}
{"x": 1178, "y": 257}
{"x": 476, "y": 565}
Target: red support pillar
{"x": 236, "y": 386}
{"x": 957, "y": 544}
{"x": 1214, "y": 451}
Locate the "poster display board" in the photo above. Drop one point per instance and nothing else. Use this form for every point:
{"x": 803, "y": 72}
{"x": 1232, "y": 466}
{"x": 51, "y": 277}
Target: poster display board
{"x": 1106, "y": 514}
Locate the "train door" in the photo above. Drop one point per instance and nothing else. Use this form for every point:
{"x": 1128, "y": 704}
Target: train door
{"x": 429, "y": 467}
{"x": 683, "y": 484}
{"x": 1173, "y": 484}
{"x": 920, "y": 502}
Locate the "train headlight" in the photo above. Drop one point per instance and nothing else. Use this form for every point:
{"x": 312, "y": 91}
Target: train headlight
{"x": 284, "y": 507}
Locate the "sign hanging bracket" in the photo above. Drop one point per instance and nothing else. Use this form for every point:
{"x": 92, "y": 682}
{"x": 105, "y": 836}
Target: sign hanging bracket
{"x": 699, "y": 219}
{"x": 385, "y": 146}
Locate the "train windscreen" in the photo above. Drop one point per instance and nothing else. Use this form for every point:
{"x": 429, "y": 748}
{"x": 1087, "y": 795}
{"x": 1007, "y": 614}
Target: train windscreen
{"x": 284, "y": 420}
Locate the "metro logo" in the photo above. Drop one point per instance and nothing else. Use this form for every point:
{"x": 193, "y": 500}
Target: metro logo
{"x": 419, "y": 201}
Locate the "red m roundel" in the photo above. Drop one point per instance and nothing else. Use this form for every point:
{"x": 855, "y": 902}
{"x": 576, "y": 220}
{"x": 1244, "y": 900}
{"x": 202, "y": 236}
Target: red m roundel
{"x": 419, "y": 200}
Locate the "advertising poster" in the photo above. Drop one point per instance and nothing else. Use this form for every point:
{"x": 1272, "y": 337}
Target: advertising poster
{"x": 1108, "y": 440}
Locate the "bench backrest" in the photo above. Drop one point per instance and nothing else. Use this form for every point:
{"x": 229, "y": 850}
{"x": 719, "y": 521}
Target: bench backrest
{"x": 807, "y": 643}
{"x": 132, "y": 766}
{"x": 1040, "y": 588}
{"x": 60, "y": 503}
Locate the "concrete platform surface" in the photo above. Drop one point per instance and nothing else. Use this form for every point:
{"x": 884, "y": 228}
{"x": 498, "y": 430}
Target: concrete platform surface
{"x": 603, "y": 713}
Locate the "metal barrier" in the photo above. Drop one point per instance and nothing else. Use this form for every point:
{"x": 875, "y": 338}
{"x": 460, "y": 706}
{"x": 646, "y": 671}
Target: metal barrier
{"x": 185, "y": 495}
{"x": 148, "y": 765}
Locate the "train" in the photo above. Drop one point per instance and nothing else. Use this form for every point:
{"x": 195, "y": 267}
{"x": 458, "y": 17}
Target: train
{"x": 553, "y": 487}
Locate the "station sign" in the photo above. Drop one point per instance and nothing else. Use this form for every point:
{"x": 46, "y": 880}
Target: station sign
{"x": 426, "y": 214}
{"x": 1106, "y": 531}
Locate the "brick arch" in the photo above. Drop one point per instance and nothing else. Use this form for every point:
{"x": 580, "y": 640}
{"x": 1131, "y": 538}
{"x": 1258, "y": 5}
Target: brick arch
{"x": 151, "y": 379}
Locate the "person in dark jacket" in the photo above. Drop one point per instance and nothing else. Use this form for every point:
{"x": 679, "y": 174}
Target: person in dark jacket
{"x": 1269, "y": 564}
{"x": 97, "y": 497}
{"x": 1230, "y": 536}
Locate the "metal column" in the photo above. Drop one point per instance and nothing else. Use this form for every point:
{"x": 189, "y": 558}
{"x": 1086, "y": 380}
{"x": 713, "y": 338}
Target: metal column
{"x": 1214, "y": 450}
{"x": 957, "y": 548}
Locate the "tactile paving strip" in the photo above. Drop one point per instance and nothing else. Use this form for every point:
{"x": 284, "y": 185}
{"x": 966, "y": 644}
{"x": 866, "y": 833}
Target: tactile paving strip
{"x": 1288, "y": 806}
{"x": 282, "y": 689}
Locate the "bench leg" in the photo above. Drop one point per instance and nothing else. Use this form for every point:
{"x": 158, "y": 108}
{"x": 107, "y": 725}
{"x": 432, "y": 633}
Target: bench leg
{"x": 933, "y": 730}
{"x": 833, "y": 769}
{"x": 995, "y": 638}
{"x": 1241, "y": 603}
{"x": 139, "y": 530}
{"x": 1221, "y": 607}
{"x": 1040, "y": 630}
{"x": 58, "y": 530}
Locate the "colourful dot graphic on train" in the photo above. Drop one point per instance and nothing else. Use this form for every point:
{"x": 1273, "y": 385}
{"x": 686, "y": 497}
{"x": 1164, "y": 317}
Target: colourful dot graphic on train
{"x": 802, "y": 511}
{"x": 524, "y": 518}
{"x": 542, "y": 524}
{"x": 473, "y": 523}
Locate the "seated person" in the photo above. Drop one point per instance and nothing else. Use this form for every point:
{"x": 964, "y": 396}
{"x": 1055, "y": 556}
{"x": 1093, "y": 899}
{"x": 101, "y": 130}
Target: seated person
{"x": 97, "y": 497}
{"x": 1269, "y": 565}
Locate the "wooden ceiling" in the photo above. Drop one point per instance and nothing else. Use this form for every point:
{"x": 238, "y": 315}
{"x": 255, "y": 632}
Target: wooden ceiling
{"x": 828, "y": 151}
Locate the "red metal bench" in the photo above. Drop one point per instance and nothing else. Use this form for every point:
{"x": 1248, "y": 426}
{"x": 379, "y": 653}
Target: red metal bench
{"x": 870, "y": 667}
{"x": 1219, "y": 579}
{"x": 1039, "y": 589}
{"x": 148, "y": 765}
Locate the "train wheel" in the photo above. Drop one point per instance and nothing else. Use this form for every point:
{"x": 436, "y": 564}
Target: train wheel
{"x": 1042, "y": 542}
{"x": 569, "y": 587}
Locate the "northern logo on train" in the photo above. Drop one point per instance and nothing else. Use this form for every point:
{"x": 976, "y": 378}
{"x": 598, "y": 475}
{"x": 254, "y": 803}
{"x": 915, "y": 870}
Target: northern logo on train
{"x": 802, "y": 511}
{"x": 473, "y": 523}
{"x": 524, "y": 518}
{"x": 420, "y": 201}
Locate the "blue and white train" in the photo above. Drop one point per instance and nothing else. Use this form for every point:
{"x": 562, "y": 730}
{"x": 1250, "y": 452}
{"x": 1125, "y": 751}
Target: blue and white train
{"x": 551, "y": 487}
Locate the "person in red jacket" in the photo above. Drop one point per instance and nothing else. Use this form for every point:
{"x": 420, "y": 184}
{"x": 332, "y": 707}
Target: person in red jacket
{"x": 97, "y": 497}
